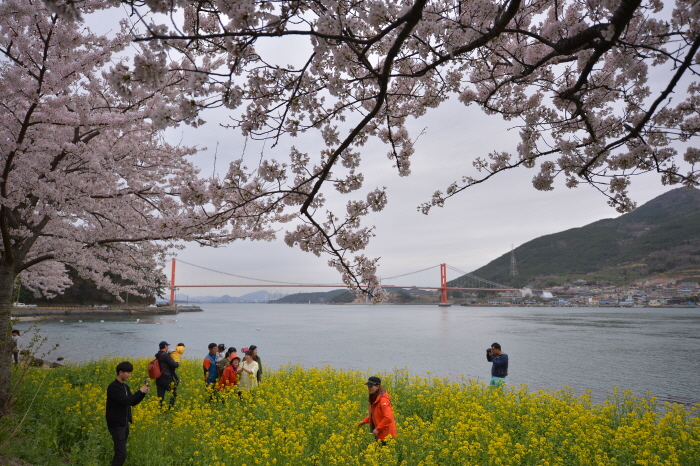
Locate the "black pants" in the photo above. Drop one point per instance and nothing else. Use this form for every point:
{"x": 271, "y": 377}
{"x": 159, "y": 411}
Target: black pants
{"x": 15, "y": 356}
{"x": 169, "y": 386}
{"x": 119, "y": 436}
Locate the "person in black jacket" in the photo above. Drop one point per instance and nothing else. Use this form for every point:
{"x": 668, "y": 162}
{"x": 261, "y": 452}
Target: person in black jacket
{"x": 168, "y": 381}
{"x": 118, "y": 412}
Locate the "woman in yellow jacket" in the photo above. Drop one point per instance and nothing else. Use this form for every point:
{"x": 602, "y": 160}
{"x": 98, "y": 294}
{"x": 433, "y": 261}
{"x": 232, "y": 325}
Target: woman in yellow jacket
{"x": 381, "y": 416}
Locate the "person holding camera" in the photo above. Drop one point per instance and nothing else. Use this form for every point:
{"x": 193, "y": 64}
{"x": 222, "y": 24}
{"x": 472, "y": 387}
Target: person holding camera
{"x": 499, "y": 369}
{"x": 118, "y": 409}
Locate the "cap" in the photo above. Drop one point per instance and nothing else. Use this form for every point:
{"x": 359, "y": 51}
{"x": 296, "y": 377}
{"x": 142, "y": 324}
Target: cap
{"x": 213, "y": 345}
{"x": 244, "y": 350}
{"x": 372, "y": 381}
{"x": 163, "y": 344}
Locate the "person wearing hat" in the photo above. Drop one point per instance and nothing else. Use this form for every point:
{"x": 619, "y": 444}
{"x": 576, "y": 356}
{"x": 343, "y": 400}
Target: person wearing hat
{"x": 209, "y": 365}
{"x": 381, "y": 416}
{"x": 168, "y": 381}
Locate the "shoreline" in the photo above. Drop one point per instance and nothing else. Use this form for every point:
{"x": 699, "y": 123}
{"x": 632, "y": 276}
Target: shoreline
{"x": 29, "y": 314}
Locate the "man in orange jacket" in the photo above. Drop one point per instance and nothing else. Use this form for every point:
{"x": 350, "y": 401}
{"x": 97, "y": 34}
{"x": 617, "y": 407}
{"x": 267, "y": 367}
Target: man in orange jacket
{"x": 381, "y": 417}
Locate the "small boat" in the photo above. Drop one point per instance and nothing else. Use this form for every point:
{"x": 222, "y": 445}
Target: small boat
{"x": 444, "y": 304}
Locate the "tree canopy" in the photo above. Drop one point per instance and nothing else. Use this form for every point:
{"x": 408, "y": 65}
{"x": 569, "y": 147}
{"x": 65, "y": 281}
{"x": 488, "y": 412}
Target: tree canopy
{"x": 87, "y": 179}
{"x": 600, "y": 91}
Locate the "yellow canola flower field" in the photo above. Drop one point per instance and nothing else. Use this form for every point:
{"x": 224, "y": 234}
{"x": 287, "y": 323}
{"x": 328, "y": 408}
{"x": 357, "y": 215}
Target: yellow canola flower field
{"x": 301, "y": 416}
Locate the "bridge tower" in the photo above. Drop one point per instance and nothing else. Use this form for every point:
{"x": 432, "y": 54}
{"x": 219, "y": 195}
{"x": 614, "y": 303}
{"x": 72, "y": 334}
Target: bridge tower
{"x": 443, "y": 285}
{"x": 513, "y": 266}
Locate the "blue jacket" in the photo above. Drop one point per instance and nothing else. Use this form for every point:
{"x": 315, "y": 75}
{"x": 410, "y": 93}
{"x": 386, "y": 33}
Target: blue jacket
{"x": 210, "y": 372}
{"x": 500, "y": 364}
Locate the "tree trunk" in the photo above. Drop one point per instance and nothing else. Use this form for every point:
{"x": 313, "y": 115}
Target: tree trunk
{"x": 7, "y": 278}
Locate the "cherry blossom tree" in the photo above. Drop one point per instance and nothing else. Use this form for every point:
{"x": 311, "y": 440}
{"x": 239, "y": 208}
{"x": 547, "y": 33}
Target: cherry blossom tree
{"x": 600, "y": 90}
{"x": 87, "y": 179}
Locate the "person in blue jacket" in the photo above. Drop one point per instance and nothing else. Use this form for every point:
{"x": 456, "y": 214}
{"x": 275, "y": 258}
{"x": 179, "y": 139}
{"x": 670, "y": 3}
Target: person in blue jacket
{"x": 499, "y": 368}
{"x": 209, "y": 365}
{"x": 118, "y": 409}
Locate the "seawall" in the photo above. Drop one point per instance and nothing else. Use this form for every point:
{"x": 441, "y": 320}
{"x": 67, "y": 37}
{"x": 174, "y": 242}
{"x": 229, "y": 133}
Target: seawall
{"x": 86, "y": 311}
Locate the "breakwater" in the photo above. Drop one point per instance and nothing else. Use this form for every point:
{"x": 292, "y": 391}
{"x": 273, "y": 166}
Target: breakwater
{"x": 88, "y": 311}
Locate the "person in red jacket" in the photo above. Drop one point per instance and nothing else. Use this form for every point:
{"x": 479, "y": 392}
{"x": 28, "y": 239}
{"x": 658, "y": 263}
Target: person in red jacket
{"x": 381, "y": 416}
{"x": 229, "y": 378}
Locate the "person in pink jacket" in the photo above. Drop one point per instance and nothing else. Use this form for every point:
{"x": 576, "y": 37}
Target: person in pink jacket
{"x": 381, "y": 416}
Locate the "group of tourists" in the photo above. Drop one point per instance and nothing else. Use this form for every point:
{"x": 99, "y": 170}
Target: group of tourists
{"x": 226, "y": 371}
{"x": 223, "y": 370}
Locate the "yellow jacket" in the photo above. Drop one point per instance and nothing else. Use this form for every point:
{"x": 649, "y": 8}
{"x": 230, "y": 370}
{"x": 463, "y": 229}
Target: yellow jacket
{"x": 177, "y": 354}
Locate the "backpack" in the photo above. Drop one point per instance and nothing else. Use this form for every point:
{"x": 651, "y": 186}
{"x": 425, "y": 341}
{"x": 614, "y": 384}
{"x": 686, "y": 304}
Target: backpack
{"x": 154, "y": 370}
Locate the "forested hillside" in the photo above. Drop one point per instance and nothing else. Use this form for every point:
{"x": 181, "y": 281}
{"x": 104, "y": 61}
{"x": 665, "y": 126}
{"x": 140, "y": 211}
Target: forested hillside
{"x": 661, "y": 236}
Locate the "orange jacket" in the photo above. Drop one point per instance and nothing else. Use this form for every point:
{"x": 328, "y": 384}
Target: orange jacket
{"x": 382, "y": 416}
{"x": 228, "y": 379}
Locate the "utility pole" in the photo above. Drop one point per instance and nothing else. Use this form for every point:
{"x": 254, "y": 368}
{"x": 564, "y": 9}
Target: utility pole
{"x": 513, "y": 266}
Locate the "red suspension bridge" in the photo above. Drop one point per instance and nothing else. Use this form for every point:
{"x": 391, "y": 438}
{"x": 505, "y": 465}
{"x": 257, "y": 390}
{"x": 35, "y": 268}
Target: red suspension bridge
{"x": 465, "y": 282}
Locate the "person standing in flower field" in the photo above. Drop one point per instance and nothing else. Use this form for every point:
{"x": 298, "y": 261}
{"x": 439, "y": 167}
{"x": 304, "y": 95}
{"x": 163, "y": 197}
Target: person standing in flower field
{"x": 499, "y": 369}
{"x": 381, "y": 415}
{"x": 118, "y": 409}
{"x": 248, "y": 372}
{"x": 169, "y": 380}
{"x": 16, "y": 345}
{"x": 229, "y": 376}
{"x": 228, "y": 357}
{"x": 256, "y": 358}
{"x": 209, "y": 365}
{"x": 221, "y": 353}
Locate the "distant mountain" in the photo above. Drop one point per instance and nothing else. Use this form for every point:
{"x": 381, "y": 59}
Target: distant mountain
{"x": 660, "y": 237}
{"x": 255, "y": 297}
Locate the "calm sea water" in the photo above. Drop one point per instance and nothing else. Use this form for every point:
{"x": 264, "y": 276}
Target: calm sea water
{"x": 644, "y": 350}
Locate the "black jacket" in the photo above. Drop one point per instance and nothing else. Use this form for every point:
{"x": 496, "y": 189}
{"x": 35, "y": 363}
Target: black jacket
{"x": 119, "y": 403}
{"x": 500, "y": 364}
{"x": 167, "y": 366}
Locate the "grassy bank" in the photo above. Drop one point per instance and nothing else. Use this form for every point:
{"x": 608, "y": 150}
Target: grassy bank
{"x": 309, "y": 416}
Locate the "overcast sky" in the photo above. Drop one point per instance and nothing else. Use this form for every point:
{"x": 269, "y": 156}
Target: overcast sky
{"x": 472, "y": 229}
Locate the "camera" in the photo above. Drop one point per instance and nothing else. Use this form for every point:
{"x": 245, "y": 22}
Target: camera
{"x": 488, "y": 350}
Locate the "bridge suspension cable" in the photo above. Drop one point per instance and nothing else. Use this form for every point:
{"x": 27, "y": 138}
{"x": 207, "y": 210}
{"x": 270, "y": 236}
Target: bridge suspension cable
{"x": 410, "y": 273}
{"x": 476, "y": 278}
{"x": 256, "y": 279}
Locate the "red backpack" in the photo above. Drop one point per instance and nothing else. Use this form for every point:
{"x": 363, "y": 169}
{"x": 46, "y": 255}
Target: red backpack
{"x": 154, "y": 370}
